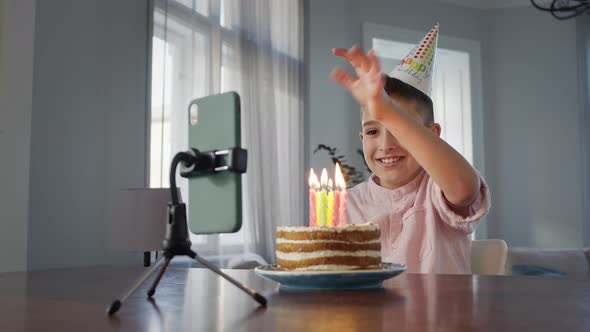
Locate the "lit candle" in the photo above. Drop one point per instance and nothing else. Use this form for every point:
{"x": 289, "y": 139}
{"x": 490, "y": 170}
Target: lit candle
{"x": 342, "y": 212}
{"x": 322, "y": 199}
{"x": 330, "y": 209}
{"x": 318, "y": 206}
{"x": 341, "y": 192}
{"x": 336, "y": 196}
{"x": 314, "y": 184}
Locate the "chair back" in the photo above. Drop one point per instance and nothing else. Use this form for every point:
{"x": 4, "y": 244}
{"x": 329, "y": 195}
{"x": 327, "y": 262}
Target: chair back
{"x": 488, "y": 256}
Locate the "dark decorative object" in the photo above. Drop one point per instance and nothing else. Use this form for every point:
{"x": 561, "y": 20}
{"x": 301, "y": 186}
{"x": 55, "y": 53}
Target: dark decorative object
{"x": 351, "y": 174}
{"x": 563, "y": 9}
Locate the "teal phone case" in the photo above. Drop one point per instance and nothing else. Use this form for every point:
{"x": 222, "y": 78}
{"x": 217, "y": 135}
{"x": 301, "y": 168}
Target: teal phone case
{"x": 215, "y": 204}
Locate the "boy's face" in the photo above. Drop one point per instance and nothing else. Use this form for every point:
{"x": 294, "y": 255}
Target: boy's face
{"x": 387, "y": 159}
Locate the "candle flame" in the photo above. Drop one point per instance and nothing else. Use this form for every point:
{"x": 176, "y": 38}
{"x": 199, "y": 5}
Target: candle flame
{"x": 340, "y": 183}
{"x": 324, "y": 178}
{"x": 330, "y": 184}
{"x": 313, "y": 179}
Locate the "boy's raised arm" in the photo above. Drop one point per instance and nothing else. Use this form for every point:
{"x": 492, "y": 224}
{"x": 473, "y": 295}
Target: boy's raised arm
{"x": 454, "y": 175}
{"x": 449, "y": 170}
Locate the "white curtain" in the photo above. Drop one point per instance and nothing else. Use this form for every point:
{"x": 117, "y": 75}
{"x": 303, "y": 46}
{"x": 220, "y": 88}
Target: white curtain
{"x": 254, "y": 47}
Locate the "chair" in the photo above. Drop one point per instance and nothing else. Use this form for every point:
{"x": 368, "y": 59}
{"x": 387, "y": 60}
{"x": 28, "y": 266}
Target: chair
{"x": 488, "y": 256}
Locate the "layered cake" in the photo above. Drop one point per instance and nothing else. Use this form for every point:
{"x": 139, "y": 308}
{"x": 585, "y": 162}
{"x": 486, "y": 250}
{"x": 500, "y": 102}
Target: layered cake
{"x": 348, "y": 247}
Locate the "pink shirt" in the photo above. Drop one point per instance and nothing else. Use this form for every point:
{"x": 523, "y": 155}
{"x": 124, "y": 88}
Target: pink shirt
{"x": 418, "y": 227}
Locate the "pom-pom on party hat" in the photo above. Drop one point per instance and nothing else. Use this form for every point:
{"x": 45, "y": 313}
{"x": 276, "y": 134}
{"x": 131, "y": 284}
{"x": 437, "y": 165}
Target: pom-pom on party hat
{"x": 417, "y": 68}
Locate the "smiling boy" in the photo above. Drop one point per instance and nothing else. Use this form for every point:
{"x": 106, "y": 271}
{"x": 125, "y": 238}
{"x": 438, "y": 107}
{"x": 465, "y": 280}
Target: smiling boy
{"x": 425, "y": 196}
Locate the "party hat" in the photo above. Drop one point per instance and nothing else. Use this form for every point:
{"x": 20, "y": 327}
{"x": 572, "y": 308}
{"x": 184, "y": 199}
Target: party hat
{"x": 417, "y": 68}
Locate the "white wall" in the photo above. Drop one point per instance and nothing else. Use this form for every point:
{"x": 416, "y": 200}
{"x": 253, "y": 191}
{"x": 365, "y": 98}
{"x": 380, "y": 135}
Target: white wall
{"x": 1, "y": 32}
{"x": 534, "y": 129}
{"x": 17, "y": 21}
{"x": 88, "y": 127}
{"x": 583, "y": 49}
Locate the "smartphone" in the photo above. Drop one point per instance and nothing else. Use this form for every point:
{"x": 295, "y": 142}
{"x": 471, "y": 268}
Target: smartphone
{"x": 215, "y": 200}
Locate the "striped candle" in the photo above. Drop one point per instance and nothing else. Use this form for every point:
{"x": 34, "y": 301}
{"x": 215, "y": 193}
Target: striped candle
{"x": 330, "y": 209}
{"x": 313, "y": 187}
{"x": 341, "y": 193}
{"x": 336, "y": 210}
{"x": 322, "y": 199}
{"x": 342, "y": 212}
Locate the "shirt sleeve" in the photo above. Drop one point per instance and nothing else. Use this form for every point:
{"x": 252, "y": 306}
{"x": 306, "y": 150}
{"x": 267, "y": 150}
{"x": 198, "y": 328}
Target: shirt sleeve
{"x": 478, "y": 209}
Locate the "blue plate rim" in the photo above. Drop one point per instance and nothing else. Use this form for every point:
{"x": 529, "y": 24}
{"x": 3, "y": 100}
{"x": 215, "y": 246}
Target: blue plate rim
{"x": 270, "y": 269}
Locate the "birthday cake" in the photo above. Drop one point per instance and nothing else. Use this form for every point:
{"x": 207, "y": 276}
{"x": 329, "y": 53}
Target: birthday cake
{"x": 320, "y": 248}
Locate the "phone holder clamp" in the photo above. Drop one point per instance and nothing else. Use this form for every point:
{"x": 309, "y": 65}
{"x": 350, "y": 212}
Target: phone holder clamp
{"x": 205, "y": 163}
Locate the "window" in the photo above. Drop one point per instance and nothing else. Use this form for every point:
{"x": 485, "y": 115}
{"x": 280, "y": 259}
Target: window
{"x": 191, "y": 58}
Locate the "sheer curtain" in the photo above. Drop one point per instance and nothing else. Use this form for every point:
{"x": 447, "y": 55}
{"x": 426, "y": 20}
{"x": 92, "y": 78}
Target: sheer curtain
{"x": 203, "y": 47}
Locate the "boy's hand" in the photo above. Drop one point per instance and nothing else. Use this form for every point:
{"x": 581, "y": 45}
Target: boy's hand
{"x": 368, "y": 86}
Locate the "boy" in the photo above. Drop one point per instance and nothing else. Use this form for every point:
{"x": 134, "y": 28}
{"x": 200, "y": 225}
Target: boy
{"x": 425, "y": 196}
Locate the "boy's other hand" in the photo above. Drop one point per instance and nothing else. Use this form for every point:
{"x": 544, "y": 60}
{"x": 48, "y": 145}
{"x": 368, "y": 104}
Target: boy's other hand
{"x": 367, "y": 87}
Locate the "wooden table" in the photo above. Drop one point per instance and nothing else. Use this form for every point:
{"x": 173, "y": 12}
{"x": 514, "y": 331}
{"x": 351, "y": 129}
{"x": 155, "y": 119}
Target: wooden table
{"x": 198, "y": 300}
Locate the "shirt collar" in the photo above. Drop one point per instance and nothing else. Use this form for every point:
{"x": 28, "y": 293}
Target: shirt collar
{"x": 408, "y": 188}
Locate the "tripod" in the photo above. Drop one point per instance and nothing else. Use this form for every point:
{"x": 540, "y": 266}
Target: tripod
{"x": 177, "y": 241}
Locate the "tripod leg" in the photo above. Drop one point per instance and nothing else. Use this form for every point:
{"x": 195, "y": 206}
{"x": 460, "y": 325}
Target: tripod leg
{"x": 152, "y": 289}
{"x": 258, "y": 297}
{"x": 116, "y": 305}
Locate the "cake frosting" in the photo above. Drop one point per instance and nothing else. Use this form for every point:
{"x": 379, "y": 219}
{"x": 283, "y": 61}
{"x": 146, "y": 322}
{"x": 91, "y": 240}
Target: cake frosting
{"x": 349, "y": 247}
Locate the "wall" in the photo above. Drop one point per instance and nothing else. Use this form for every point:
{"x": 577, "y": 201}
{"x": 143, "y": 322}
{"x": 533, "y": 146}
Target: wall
{"x": 583, "y": 50}
{"x": 88, "y": 126}
{"x": 534, "y": 132}
{"x": 17, "y": 22}
{"x": 2, "y": 20}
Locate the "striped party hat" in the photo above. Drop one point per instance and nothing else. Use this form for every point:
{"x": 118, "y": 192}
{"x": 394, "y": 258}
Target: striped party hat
{"x": 417, "y": 68}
